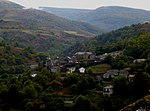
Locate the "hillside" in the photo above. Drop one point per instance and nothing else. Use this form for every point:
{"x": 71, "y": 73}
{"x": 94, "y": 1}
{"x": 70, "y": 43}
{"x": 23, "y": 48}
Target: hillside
{"x": 111, "y": 41}
{"x": 117, "y": 40}
{"x": 4, "y": 4}
{"x": 41, "y": 30}
{"x": 51, "y": 40}
{"x": 109, "y": 18}
{"x": 39, "y": 19}
{"x": 15, "y": 60}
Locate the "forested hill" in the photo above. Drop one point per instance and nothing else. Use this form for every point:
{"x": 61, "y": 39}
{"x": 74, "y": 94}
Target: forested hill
{"x": 109, "y": 18}
{"x": 134, "y": 39}
{"x": 111, "y": 41}
{"x": 15, "y": 60}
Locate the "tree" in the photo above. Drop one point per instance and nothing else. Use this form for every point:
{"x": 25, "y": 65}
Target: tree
{"x": 109, "y": 59}
{"x": 89, "y": 71}
{"x": 30, "y": 92}
{"x": 71, "y": 79}
{"x": 121, "y": 64}
{"x": 42, "y": 80}
{"x": 14, "y": 95}
{"x": 56, "y": 85}
{"x": 141, "y": 84}
{"x": 82, "y": 104}
{"x": 85, "y": 84}
{"x": 29, "y": 106}
{"x": 120, "y": 86}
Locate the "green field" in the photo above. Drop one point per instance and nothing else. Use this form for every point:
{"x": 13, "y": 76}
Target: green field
{"x": 73, "y": 33}
{"x": 99, "y": 69}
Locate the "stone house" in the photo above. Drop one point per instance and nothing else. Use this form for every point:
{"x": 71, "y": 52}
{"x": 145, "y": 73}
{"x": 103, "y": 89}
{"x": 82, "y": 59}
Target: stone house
{"x": 53, "y": 65}
{"x": 108, "y": 90}
{"x": 71, "y": 69}
{"x": 49, "y": 63}
{"x": 82, "y": 70}
{"x": 131, "y": 77}
{"x": 68, "y": 102}
{"x": 113, "y": 54}
{"x": 33, "y": 75}
{"x": 111, "y": 74}
{"x": 139, "y": 60}
{"x": 115, "y": 72}
{"x": 141, "y": 109}
{"x": 55, "y": 69}
{"x": 80, "y": 56}
{"x": 98, "y": 78}
{"x": 34, "y": 66}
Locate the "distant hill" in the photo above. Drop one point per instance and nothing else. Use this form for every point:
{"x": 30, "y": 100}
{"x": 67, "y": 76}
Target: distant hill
{"x": 4, "y": 4}
{"x": 68, "y": 13}
{"x": 40, "y": 19}
{"x": 108, "y": 18}
{"x": 41, "y": 30}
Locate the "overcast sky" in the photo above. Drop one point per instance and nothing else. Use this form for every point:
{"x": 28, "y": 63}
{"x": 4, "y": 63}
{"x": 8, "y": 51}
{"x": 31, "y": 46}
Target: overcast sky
{"x": 86, "y": 4}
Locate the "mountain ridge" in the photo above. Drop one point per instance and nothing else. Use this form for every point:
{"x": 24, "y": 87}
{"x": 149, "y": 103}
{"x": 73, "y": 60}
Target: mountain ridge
{"x": 16, "y": 12}
{"x": 108, "y": 17}
{"x": 4, "y": 4}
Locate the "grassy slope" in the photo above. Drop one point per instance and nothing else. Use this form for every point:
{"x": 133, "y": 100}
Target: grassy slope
{"x": 51, "y": 40}
{"x": 36, "y": 19}
{"x": 99, "y": 69}
{"x": 43, "y": 31}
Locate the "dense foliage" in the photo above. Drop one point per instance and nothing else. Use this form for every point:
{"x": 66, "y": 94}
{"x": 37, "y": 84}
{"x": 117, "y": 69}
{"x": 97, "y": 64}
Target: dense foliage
{"x": 111, "y": 41}
{"x": 13, "y": 59}
{"x": 48, "y": 91}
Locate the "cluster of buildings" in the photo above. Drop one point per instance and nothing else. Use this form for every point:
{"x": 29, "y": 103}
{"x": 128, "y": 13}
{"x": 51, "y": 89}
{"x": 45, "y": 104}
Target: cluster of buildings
{"x": 78, "y": 60}
{"x": 74, "y": 64}
{"x": 70, "y": 64}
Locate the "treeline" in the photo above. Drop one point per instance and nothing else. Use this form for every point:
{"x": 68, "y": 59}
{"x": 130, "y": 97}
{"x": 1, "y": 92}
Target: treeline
{"x": 45, "y": 91}
{"x": 109, "y": 42}
{"x": 121, "y": 39}
{"x": 15, "y": 60}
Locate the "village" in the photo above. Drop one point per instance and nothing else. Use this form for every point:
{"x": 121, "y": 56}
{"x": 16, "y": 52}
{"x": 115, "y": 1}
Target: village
{"x": 84, "y": 63}
{"x": 81, "y": 61}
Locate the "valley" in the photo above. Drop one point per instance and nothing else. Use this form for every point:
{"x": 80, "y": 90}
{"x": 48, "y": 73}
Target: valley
{"x": 76, "y": 60}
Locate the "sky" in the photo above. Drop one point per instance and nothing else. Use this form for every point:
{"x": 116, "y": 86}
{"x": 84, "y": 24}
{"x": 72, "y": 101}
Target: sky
{"x": 84, "y": 4}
